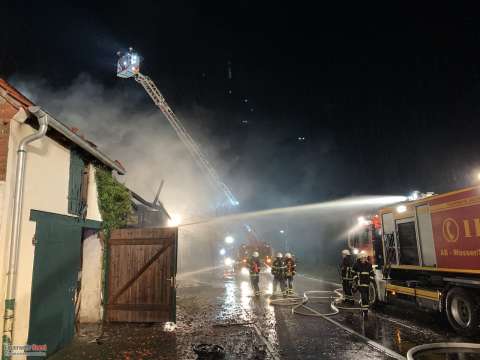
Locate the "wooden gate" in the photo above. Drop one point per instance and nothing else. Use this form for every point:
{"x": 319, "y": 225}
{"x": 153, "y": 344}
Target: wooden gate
{"x": 142, "y": 269}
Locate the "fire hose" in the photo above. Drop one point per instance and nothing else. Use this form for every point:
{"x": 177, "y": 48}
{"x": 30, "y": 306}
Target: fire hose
{"x": 300, "y": 307}
{"x": 298, "y": 303}
{"x": 443, "y": 347}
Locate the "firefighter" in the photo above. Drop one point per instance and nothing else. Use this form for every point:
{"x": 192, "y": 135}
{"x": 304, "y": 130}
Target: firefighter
{"x": 347, "y": 276}
{"x": 363, "y": 276}
{"x": 254, "y": 268}
{"x": 290, "y": 272}
{"x": 278, "y": 272}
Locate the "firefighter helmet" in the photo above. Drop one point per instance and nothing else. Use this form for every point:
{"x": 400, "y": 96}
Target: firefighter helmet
{"x": 288, "y": 255}
{"x": 279, "y": 255}
{"x": 345, "y": 252}
{"x": 256, "y": 254}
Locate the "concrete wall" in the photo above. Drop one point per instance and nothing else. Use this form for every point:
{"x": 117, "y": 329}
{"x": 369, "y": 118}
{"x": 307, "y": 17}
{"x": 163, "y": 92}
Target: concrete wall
{"x": 46, "y": 189}
{"x": 90, "y": 294}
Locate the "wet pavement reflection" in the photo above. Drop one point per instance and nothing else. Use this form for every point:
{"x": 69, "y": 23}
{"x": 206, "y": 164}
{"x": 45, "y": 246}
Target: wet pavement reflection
{"x": 301, "y": 337}
{"x": 217, "y": 307}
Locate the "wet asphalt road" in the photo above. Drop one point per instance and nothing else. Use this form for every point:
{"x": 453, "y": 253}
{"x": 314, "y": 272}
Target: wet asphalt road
{"x": 292, "y": 336}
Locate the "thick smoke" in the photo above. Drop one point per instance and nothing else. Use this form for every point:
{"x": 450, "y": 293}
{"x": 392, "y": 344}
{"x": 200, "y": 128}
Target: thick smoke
{"x": 126, "y": 125}
{"x": 133, "y": 130}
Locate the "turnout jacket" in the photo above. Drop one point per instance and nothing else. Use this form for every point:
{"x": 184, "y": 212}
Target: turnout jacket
{"x": 290, "y": 267}
{"x": 254, "y": 266}
{"x": 363, "y": 273}
{"x": 346, "y": 268}
{"x": 278, "y": 268}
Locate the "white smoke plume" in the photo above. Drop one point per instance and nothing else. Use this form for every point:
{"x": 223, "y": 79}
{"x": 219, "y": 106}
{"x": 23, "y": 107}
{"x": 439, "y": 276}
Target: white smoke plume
{"x": 128, "y": 127}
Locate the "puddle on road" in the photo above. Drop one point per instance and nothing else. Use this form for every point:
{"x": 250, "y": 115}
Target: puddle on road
{"x": 239, "y": 305}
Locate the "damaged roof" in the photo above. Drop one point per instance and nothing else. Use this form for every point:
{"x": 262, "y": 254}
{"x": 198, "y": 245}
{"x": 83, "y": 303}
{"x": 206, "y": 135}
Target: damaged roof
{"x": 18, "y": 101}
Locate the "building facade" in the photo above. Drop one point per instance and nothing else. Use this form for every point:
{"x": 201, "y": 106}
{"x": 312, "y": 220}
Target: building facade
{"x": 59, "y": 262}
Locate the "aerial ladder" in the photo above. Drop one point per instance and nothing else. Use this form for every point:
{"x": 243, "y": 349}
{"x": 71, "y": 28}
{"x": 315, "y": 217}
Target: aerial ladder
{"x": 129, "y": 66}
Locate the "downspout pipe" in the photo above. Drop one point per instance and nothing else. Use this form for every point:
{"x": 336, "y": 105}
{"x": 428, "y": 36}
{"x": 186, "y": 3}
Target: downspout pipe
{"x": 9, "y": 312}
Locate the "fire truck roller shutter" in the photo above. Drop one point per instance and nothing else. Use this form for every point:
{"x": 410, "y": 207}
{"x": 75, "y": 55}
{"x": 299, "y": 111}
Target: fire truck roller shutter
{"x": 425, "y": 234}
{"x": 388, "y": 226}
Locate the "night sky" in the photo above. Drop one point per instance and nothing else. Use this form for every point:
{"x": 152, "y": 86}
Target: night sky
{"x": 386, "y": 99}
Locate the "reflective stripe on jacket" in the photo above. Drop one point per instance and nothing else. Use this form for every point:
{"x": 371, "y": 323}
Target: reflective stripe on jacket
{"x": 254, "y": 266}
{"x": 347, "y": 268}
{"x": 363, "y": 273}
{"x": 290, "y": 267}
{"x": 279, "y": 268}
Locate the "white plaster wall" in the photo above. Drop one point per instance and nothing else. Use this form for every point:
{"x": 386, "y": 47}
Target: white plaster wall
{"x": 93, "y": 212}
{"x": 2, "y": 190}
{"x": 5, "y": 222}
{"x": 90, "y": 295}
{"x": 45, "y": 189}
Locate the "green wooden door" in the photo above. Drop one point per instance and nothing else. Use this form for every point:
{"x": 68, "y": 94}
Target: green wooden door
{"x": 55, "y": 271}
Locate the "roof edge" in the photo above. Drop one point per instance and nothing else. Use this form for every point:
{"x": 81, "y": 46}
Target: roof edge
{"x": 77, "y": 140}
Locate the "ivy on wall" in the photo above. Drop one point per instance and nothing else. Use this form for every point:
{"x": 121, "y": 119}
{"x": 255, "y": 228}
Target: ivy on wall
{"x": 114, "y": 201}
{"x": 115, "y": 204}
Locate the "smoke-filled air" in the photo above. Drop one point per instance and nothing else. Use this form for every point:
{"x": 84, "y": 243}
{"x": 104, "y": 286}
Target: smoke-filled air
{"x": 128, "y": 127}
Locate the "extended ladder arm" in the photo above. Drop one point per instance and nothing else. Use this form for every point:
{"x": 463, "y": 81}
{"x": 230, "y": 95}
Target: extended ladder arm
{"x": 184, "y": 136}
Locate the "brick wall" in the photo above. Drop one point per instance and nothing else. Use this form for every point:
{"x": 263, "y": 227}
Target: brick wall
{"x": 7, "y": 111}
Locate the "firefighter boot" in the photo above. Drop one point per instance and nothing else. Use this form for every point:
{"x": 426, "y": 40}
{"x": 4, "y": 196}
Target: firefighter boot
{"x": 365, "y": 314}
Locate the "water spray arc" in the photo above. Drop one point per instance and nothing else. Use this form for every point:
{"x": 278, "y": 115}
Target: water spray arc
{"x": 334, "y": 205}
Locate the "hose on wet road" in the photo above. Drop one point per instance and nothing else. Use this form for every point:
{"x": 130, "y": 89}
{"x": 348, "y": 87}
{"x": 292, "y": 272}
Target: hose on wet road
{"x": 447, "y": 347}
{"x": 300, "y": 307}
{"x": 298, "y": 303}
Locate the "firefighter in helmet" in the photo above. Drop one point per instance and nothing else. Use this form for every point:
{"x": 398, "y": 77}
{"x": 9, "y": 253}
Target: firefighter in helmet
{"x": 278, "y": 272}
{"x": 289, "y": 272}
{"x": 254, "y": 269}
{"x": 364, "y": 274}
{"x": 346, "y": 269}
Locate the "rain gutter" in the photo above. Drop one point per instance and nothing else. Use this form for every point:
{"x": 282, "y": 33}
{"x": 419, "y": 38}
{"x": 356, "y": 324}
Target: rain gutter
{"x": 85, "y": 145}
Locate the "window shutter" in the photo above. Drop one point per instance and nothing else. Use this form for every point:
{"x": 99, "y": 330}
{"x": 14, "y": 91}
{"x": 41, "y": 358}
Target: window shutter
{"x": 75, "y": 183}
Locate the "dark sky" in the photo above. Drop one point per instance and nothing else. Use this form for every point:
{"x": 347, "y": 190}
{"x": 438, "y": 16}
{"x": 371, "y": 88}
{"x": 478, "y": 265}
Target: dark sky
{"x": 387, "y": 98}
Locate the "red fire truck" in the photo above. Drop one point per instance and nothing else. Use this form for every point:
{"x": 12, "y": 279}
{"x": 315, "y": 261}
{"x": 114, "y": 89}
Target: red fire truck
{"x": 253, "y": 244}
{"x": 427, "y": 252}
{"x": 246, "y": 250}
